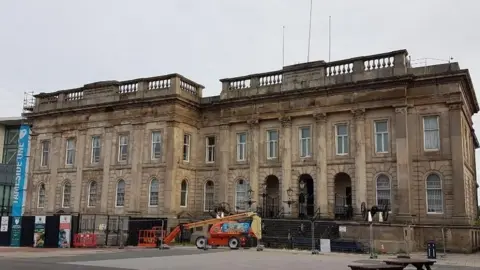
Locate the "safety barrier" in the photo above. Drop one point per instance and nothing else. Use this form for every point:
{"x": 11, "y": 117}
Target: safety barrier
{"x": 88, "y": 240}
{"x": 148, "y": 238}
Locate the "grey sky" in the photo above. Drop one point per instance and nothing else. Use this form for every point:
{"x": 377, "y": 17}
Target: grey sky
{"x": 50, "y": 45}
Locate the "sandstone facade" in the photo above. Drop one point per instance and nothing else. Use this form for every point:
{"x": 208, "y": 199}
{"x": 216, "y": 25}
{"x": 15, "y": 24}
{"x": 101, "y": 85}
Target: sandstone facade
{"x": 339, "y": 126}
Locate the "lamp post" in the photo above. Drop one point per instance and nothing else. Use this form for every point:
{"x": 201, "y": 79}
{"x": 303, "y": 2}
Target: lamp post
{"x": 250, "y": 193}
{"x": 303, "y": 201}
{"x": 264, "y": 199}
{"x": 290, "y": 196}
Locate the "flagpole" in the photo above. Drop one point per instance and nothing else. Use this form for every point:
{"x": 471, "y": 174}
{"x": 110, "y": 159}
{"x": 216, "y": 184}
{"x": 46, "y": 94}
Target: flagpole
{"x": 309, "y": 31}
{"x": 329, "y": 38}
{"x": 283, "y": 46}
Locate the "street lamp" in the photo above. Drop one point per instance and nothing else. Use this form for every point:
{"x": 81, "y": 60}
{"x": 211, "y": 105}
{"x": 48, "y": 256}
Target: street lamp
{"x": 250, "y": 193}
{"x": 290, "y": 195}
{"x": 303, "y": 199}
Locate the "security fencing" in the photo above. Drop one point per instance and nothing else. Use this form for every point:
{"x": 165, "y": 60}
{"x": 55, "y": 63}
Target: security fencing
{"x": 109, "y": 230}
{"x": 311, "y": 235}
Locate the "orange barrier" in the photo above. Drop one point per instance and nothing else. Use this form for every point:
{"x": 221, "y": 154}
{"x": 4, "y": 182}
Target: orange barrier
{"x": 148, "y": 238}
{"x": 85, "y": 240}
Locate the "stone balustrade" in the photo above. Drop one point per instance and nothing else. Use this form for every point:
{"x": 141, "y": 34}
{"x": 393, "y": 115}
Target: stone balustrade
{"x": 318, "y": 74}
{"x": 113, "y": 91}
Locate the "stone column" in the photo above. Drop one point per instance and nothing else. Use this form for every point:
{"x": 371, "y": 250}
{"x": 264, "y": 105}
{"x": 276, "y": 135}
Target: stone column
{"x": 458, "y": 177}
{"x": 32, "y": 163}
{"x": 109, "y": 156}
{"x": 137, "y": 162}
{"x": 79, "y": 162}
{"x": 56, "y": 147}
{"x": 286, "y": 137}
{"x": 360, "y": 160}
{"x": 171, "y": 161}
{"x": 321, "y": 185}
{"x": 224, "y": 163}
{"x": 253, "y": 158}
{"x": 403, "y": 164}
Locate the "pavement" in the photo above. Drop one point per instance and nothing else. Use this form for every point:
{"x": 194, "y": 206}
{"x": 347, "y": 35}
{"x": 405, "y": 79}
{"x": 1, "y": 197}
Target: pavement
{"x": 182, "y": 258}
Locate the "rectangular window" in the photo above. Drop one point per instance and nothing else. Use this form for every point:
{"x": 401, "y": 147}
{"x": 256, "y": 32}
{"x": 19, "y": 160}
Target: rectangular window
{"x": 186, "y": 147}
{"x": 431, "y": 133}
{"x": 210, "y": 149}
{"x": 70, "y": 151}
{"x": 45, "y": 153}
{"x": 10, "y": 156}
{"x": 156, "y": 145}
{"x": 241, "y": 146}
{"x": 272, "y": 144}
{"x": 381, "y": 136}
{"x": 305, "y": 135}
{"x": 96, "y": 149}
{"x": 342, "y": 143}
{"x": 122, "y": 148}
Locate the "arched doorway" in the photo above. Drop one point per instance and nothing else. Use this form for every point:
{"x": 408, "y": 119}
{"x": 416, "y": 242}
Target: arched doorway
{"x": 270, "y": 197}
{"x": 343, "y": 196}
{"x": 306, "y": 198}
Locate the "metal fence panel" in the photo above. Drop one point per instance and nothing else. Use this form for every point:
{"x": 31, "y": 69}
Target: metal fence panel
{"x": 287, "y": 233}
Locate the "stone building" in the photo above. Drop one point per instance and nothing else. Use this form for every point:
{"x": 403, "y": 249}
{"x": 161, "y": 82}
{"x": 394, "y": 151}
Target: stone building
{"x": 370, "y": 129}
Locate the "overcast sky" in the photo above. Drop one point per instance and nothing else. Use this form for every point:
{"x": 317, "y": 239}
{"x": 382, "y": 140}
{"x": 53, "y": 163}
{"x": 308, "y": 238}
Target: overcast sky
{"x": 56, "y": 44}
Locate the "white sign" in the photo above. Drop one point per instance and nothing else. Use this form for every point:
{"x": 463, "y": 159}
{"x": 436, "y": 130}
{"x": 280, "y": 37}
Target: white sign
{"x": 342, "y": 228}
{"x": 4, "y": 224}
{"x": 325, "y": 246}
{"x": 40, "y": 219}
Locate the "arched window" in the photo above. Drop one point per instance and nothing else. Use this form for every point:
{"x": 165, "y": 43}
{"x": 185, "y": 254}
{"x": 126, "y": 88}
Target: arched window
{"x": 183, "y": 194}
{"x": 153, "y": 194}
{"x": 241, "y": 195}
{"x": 384, "y": 195}
{"x": 41, "y": 196}
{"x": 66, "y": 195}
{"x": 120, "y": 198}
{"x": 434, "y": 194}
{"x": 92, "y": 194}
{"x": 209, "y": 196}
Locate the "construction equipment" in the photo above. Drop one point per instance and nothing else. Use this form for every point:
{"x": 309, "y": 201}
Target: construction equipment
{"x": 226, "y": 231}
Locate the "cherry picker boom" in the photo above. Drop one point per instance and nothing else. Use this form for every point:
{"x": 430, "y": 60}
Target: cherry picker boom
{"x": 225, "y": 230}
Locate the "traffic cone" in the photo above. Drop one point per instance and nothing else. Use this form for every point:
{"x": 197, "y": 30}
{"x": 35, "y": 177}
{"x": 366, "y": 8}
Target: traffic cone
{"x": 380, "y": 217}
{"x": 370, "y": 216}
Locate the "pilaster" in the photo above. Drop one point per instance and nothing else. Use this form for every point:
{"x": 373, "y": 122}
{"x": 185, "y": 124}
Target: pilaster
{"x": 108, "y": 158}
{"x": 286, "y": 138}
{"x": 31, "y": 159}
{"x": 172, "y": 159}
{"x": 360, "y": 160}
{"x": 54, "y": 162}
{"x": 79, "y": 161}
{"x": 321, "y": 186}
{"x": 403, "y": 165}
{"x": 224, "y": 163}
{"x": 455, "y": 121}
{"x": 137, "y": 161}
{"x": 253, "y": 158}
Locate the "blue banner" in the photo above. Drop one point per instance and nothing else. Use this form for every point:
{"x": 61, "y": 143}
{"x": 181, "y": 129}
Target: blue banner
{"x": 18, "y": 205}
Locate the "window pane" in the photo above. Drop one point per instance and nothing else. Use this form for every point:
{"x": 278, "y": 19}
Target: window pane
{"x": 345, "y": 145}
{"x": 381, "y": 126}
{"x": 341, "y": 129}
{"x": 211, "y": 140}
{"x": 273, "y": 136}
{"x": 242, "y": 138}
{"x": 430, "y": 122}
{"x": 305, "y": 132}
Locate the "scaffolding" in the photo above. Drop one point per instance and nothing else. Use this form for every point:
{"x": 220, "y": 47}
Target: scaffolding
{"x": 28, "y": 102}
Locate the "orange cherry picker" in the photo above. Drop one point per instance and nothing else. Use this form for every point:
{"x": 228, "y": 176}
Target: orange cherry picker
{"x": 225, "y": 231}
